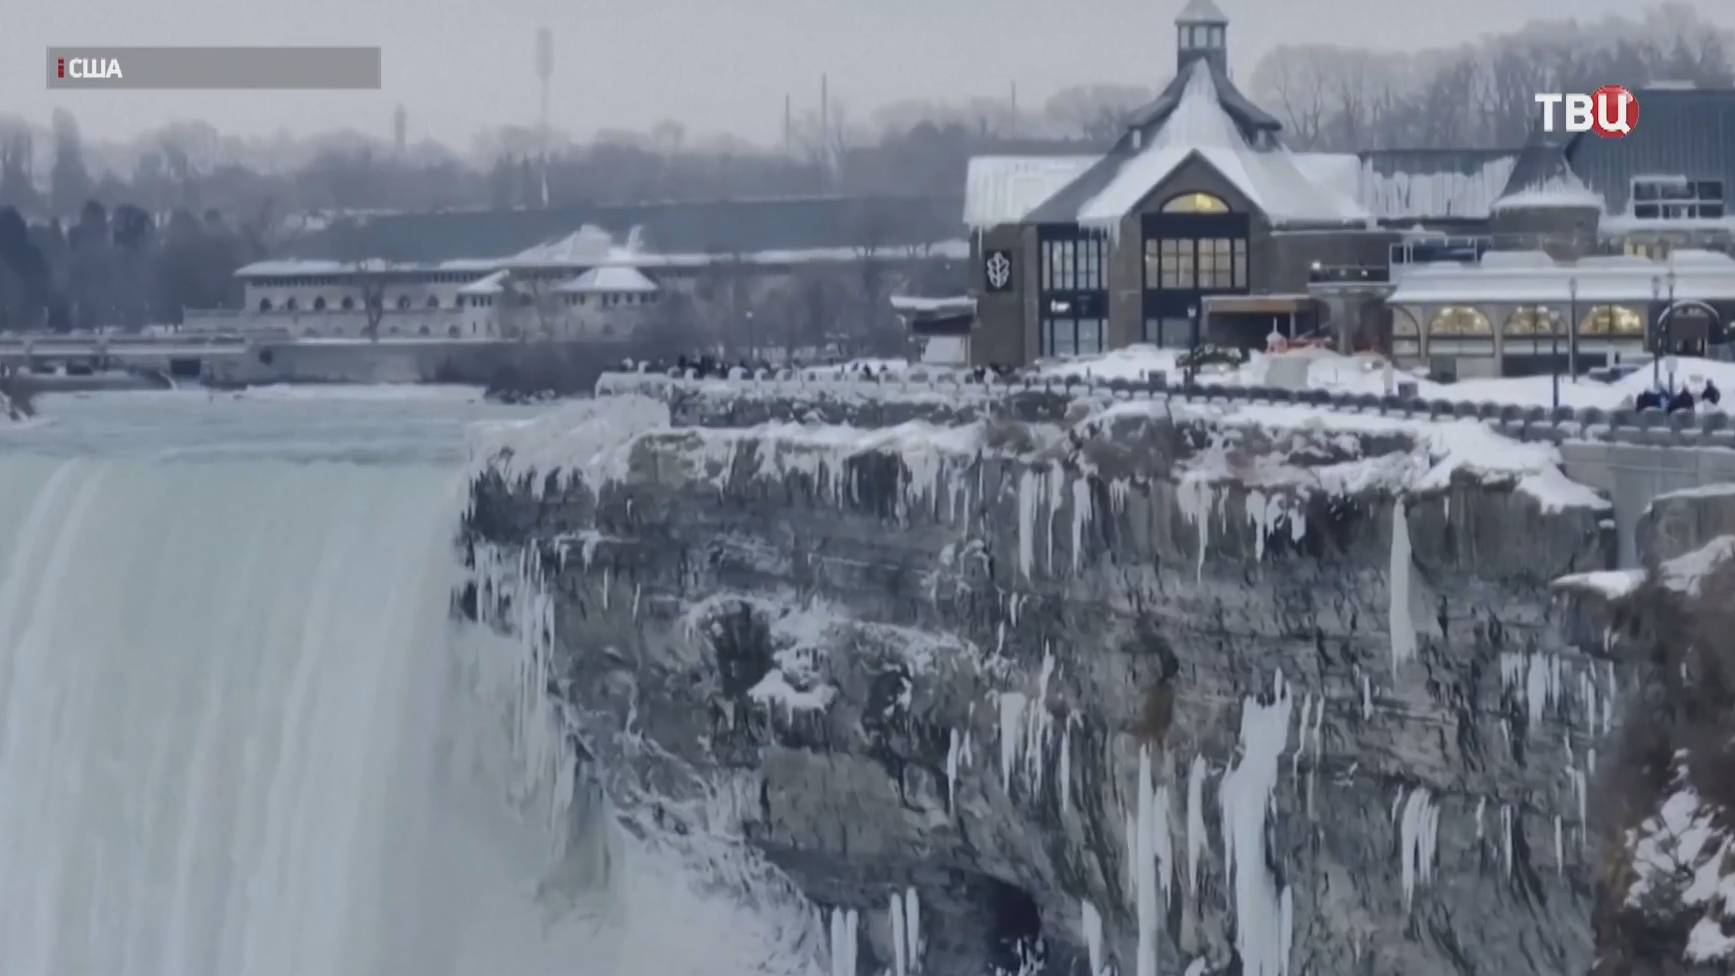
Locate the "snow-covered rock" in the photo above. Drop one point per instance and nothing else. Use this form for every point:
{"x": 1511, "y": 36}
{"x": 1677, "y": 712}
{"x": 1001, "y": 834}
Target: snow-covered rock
{"x": 1144, "y": 690}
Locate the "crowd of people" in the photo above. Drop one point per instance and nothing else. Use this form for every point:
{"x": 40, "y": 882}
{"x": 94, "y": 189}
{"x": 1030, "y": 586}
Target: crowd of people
{"x": 1680, "y": 400}
{"x": 707, "y": 366}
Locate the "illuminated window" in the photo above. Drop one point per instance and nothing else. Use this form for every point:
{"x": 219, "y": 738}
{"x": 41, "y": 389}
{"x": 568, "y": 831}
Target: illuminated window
{"x": 1201, "y": 203}
{"x": 1617, "y": 320}
{"x": 1534, "y": 320}
{"x": 1460, "y": 321}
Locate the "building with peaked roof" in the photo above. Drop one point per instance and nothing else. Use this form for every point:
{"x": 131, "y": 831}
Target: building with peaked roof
{"x": 1201, "y": 225}
{"x": 1198, "y": 200}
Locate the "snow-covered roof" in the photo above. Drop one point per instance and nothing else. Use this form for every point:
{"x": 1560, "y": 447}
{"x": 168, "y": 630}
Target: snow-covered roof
{"x": 1392, "y": 190}
{"x": 587, "y": 245}
{"x": 914, "y": 305}
{"x": 1564, "y": 190}
{"x": 578, "y": 251}
{"x": 1528, "y": 277}
{"x": 1201, "y": 12}
{"x": 611, "y": 278}
{"x": 1269, "y": 177}
{"x": 494, "y": 284}
{"x": 1005, "y": 189}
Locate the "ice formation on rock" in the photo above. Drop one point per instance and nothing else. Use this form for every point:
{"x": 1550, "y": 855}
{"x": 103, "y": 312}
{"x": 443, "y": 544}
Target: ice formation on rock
{"x": 844, "y": 927}
{"x": 1195, "y": 821}
{"x": 1418, "y": 841}
{"x": 1197, "y": 500}
{"x": 1090, "y": 920}
{"x": 1403, "y": 627}
{"x": 1262, "y": 909}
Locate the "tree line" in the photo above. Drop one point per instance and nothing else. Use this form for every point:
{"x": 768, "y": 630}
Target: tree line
{"x": 1342, "y": 99}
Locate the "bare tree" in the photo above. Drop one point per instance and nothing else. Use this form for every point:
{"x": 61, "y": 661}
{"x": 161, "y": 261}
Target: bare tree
{"x": 1096, "y": 113}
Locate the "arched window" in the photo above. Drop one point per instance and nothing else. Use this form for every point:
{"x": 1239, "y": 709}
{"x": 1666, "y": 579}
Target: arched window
{"x": 1529, "y": 320}
{"x": 433, "y": 301}
{"x": 424, "y": 330}
{"x": 1460, "y": 320}
{"x": 264, "y": 304}
{"x": 290, "y": 304}
{"x": 1404, "y": 325}
{"x": 1612, "y": 320}
{"x": 452, "y": 331}
{"x": 319, "y": 304}
{"x": 403, "y": 303}
{"x": 1197, "y": 203}
{"x": 348, "y": 303}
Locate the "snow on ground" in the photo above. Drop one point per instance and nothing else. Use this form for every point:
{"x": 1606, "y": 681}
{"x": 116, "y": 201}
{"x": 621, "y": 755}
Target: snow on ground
{"x": 1366, "y": 373}
{"x": 1444, "y": 447}
{"x": 375, "y": 392}
{"x": 582, "y": 437}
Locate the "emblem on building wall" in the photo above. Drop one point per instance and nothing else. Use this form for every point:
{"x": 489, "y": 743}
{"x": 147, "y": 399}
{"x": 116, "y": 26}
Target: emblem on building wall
{"x": 997, "y": 268}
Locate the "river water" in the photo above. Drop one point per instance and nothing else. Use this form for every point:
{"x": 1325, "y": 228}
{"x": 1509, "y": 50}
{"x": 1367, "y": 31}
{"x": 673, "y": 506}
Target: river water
{"x": 241, "y": 733}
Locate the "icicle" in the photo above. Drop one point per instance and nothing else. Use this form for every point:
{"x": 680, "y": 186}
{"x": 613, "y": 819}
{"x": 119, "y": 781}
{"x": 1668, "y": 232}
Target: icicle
{"x": 1195, "y": 821}
{"x": 1012, "y": 704}
{"x": 1145, "y": 862}
{"x": 1247, "y": 796}
{"x": 1133, "y": 846}
{"x": 1507, "y": 826}
{"x": 1091, "y": 922}
{"x": 1029, "y": 500}
{"x": 1481, "y": 805}
{"x": 638, "y": 589}
{"x": 1065, "y": 784}
{"x": 605, "y": 582}
{"x": 1051, "y": 500}
{"x": 1081, "y": 515}
{"x": 913, "y": 929}
{"x": 1559, "y": 848}
{"x": 952, "y": 748}
{"x": 1367, "y": 698}
{"x": 895, "y": 913}
{"x": 1163, "y": 845}
{"x": 1197, "y": 500}
{"x": 1403, "y": 628}
{"x": 1418, "y": 839}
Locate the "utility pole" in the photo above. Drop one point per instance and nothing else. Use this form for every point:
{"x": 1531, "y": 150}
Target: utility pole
{"x": 825, "y": 122}
{"x": 1572, "y": 327}
{"x": 544, "y": 71}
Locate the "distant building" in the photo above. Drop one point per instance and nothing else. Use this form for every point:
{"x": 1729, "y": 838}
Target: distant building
{"x": 576, "y": 272}
{"x": 1200, "y": 225}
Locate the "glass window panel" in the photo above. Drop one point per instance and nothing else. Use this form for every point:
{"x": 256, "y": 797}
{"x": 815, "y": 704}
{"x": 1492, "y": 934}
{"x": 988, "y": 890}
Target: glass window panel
{"x": 1089, "y": 336}
{"x": 1065, "y": 343}
{"x": 1240, "y": 263}
{"x": 1710, "y": 210}
{"x": 1710, "y": 190}
{"x": 1644, "y": 190}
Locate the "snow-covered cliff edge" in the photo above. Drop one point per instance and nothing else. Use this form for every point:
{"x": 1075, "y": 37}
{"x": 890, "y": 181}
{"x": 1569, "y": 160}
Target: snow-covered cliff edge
{"x": 1162, "y": 691}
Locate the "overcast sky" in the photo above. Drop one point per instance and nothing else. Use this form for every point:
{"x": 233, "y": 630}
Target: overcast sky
{"x": 713, "y": 65}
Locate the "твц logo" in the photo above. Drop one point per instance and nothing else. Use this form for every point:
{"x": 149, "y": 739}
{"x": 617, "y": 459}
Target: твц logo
{"x": 1616, "y": 111}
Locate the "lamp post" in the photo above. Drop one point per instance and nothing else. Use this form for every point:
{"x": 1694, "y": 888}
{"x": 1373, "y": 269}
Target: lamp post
{"x": 1656, "y": 333}
{"x": 1193, "y": 356}
{"x": 1669, "y": 324}
{"x": 1572, "y": 327}
{"x": 1554, "y": 362}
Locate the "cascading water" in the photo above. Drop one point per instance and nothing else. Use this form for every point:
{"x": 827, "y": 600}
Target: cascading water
{"x": 242, "y": 734}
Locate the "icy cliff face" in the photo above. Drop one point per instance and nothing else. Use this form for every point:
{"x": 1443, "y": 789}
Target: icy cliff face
{"x": 1142, "y": 693}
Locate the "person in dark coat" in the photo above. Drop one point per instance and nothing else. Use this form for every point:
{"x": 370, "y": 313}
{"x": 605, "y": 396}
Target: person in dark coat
{"x": 1711, "y": 395}
{"x": 1682, "y": 401}
{"x": 1648, "y": 400}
